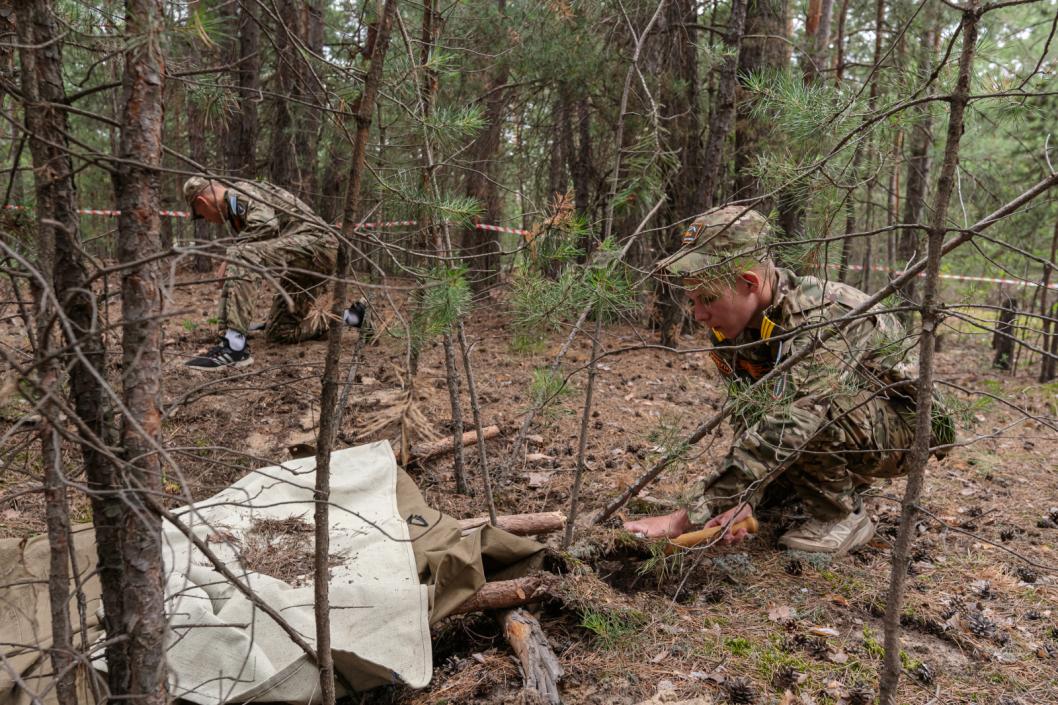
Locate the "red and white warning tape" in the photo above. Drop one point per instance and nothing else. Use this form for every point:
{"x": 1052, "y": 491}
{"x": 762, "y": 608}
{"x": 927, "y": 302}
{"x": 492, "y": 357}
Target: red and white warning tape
{"x": 519, "y": 231}
{"x": 387, "y": 224}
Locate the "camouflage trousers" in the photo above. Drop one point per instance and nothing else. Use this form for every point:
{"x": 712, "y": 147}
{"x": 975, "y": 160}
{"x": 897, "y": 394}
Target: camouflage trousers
{"x": 293, "y": 262}
{"x": 829, "y": 450}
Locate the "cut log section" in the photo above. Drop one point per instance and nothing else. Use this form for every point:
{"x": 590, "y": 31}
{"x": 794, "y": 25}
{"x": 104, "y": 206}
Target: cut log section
{"x": 507, "y": 594}
{"x": 541, "y": 670}
{"x": 520, "y": 524}
{"x": 422, "y": 451}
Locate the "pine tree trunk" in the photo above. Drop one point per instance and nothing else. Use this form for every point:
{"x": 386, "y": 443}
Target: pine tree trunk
{"x": 142, "y": 619}
{"x": 931, "y": 317}
{"x": 329, "y": 395}
{"x": 679, "y": 90}
{"x": 41, "y": 63}
{"x": 817, "y": 38}
{"x": 839, "y": 44}
{"x": 763, "y": 48}
{"x": 283, "y": 168}
{"x": 243, "y": 160}
{"x": 1050, "y": 330}
{"x": 484, "y": 246}
{"x": 310, "y": 120}
{"x": 723, "y": 114}
{"x": 196, "y": 142}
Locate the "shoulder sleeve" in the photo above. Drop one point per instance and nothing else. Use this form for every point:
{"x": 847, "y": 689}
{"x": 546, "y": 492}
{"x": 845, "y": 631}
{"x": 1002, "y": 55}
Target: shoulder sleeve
{"x": 261, "y": 221}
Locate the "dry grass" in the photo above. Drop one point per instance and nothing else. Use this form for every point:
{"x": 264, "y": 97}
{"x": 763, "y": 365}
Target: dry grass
{"x": 282, "y": 549}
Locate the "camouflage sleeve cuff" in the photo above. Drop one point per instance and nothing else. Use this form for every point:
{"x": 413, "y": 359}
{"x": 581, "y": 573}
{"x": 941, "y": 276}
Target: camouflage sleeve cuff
{"x": 704, "y": 501}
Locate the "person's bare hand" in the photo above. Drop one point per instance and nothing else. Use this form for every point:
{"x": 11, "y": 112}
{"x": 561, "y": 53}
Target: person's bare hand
{"x": 730, "y": 518}
{"x": 667, "y": 526}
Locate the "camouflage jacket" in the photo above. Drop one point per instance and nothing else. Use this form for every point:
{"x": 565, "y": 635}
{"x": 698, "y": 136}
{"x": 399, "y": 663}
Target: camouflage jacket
{"x": 870, "y": 357}
{"x": 261, "y": 211}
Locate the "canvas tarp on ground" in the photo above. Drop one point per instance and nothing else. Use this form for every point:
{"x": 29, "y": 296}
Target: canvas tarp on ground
{"x": 398, "y": 566}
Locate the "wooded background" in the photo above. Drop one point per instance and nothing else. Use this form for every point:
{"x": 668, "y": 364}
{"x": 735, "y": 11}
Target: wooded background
{"x": 870, "y": 133}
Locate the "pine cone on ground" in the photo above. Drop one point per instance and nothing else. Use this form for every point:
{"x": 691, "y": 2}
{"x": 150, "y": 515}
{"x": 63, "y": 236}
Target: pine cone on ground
{"x": 740, "y": 691}
{"x": 818, "y": 647}
{"x": 980, "y": 625}
{"x": 861, "y": 696}
{"x": 785, "y": 678}
{"x": 794, "y": 566}
{"x": 1027, "y": 574}
{"x": 923, "y": 673}
{"x": 1007, "y": 534}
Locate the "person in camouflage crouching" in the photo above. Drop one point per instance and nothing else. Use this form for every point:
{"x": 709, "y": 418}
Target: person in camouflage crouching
{"x": 276, "y": 236}
{"x": 821, "y": 432}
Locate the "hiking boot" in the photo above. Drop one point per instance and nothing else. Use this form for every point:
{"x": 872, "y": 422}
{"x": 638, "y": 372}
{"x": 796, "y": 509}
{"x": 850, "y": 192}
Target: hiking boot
{"x": 221, "y": 356}
{"x": 837, "y": 537}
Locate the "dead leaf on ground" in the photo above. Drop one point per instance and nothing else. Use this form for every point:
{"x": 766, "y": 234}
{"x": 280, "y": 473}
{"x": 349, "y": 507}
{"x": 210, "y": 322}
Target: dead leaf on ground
{"x": 538, "y": 479}
{"x": 782, "y": 613}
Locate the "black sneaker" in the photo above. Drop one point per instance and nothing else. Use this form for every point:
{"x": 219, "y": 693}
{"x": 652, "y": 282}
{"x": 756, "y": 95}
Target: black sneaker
{"x": 354, "y": 315}
{"x": 221, "y": 356}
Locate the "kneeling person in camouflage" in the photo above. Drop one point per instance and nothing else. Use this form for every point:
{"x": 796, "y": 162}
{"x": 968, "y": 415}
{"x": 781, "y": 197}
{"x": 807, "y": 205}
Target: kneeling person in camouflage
{"x": 824, "y": 430}
{"x": 276, "y": 235}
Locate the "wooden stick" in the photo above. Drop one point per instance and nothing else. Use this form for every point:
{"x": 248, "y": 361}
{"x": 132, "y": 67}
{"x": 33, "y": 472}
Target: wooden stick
{"x": 520, "y": 524}
{"x": 422, "y": 451}
{"x": 693, "y": 538}
{"x": 541, "y": 670}
{"x": 506, "y": 594}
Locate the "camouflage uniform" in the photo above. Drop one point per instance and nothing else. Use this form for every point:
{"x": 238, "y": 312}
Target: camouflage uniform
{"x": 838, "y": 418}
{"x": 279, "y": 233}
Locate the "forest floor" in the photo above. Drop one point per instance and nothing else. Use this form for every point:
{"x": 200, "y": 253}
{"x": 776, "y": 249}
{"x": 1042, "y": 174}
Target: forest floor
{"x": 981, "y": 615}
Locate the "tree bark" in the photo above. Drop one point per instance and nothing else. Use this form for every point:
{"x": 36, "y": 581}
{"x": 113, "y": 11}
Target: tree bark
{"x": 1004, "y": 334}
{"x": 283, "y": 168}
{"x": 909, "y": 242}
{"x": 540, "y": 668}
{"x": 143, "y": 618}
{"x": 243, "y": 160}
{"x": 519, "y": 524}
{"x": 680, "y": 99}
{"x": 582, "y": 447}
{"x": 723, "y": 114}
{"x": 42, "y": 83}
{"x": 329, "y": 396}
{"x": 1050, "y": 334}
{"x": 817, "y": 38}
{"x": 839, "y": 44}
{"x": 196, "y": 142}
{"x": 931, "y": 318}
{"x": 581, "y": 167}
{"x": 484, "y": 246}
{"x": 763, "y": 48}
{"x": 505, "y": 594}
{"x": 423, "y": 451}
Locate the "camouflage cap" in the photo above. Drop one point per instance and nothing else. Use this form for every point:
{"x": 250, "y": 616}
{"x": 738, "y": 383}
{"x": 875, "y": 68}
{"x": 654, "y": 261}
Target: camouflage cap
{"x": 192, "y": 188}
{"x": 720, "y": 234}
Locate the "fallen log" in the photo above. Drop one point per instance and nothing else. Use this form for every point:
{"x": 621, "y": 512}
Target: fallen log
{"x": 520, "y": 524}
{"x": 507, "y": 594}
{"x": 540, "y": 668}
{"x": 422, "y": 451}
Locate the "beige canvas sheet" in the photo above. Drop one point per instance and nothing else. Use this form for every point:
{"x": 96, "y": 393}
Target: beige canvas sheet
{"x": 399, "y": 565}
